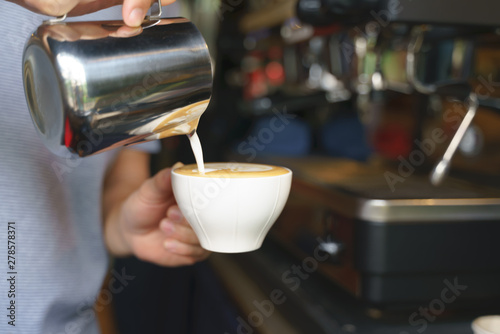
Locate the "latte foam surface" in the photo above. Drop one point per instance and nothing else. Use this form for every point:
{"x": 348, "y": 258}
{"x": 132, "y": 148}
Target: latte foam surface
{"x": 232, "y": 170}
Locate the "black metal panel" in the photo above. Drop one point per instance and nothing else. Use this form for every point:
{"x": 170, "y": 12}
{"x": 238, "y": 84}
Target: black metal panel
{"x": 427, "y": 247}
{"x": 457, "y": 291}
{"x": 447, "y": 12}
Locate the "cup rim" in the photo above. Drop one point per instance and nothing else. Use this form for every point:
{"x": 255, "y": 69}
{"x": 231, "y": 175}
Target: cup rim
{"x": 289, "y": 171}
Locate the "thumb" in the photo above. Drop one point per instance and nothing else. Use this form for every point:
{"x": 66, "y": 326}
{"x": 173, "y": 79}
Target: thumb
{"x": 158, "y": 189}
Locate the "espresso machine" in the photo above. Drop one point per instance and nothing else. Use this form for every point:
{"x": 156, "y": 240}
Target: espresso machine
{"x": 400, "y": 220}
{"x": 399, "y": 185}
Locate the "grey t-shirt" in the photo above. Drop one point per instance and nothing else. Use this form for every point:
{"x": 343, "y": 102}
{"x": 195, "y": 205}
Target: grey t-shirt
{"x": 54, "y": 206}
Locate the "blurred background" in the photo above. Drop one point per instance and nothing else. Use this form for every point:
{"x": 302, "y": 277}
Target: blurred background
{"x": 361, "y": 99}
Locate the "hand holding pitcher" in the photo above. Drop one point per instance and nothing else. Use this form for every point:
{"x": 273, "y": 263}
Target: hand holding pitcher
{"x": 133, "y": 11}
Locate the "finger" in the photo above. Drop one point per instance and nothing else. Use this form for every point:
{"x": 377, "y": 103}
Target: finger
{"x": 158, "y": 189}
{"x": 174, "y": 214}
{"x": 176, "y": 226}
{"x": 151, "y": 248}
{"x": 194, "y": 251}
{"x": 55, "y": 8}
{"x": 176, "y": 260}
{"x": 181, "y": 232}
{"x": 90, "y": 6}
{"x": 134, "y": 11}
{"x": 50, "y": 8}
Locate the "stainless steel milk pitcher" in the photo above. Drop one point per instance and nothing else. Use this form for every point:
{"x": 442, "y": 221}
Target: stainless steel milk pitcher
{"x": 93, "y": 86}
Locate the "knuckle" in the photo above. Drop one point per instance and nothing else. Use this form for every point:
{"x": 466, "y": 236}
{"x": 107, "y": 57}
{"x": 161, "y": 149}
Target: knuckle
{"x": 51, "y": 8}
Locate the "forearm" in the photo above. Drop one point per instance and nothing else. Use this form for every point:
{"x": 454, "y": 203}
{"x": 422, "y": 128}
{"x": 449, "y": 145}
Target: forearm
{"x": 126, "y": 175}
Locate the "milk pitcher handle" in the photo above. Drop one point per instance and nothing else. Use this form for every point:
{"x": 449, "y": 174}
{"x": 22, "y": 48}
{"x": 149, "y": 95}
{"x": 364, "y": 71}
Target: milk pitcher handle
{"x": 157, "y": 15}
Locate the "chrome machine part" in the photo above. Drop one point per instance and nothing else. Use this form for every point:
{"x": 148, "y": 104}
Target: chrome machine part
{"x": 456, "y": 88}
{"x": 441, "y": 169}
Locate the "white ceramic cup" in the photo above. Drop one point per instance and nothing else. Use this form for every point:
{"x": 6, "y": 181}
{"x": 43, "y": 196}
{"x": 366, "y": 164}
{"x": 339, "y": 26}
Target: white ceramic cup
{"x": 489, "y": 324}
{"x": 231, "y": 213}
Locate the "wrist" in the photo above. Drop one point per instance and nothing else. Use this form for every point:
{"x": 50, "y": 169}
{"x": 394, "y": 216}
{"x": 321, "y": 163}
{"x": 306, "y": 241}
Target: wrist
{"x": 115, "y": 235}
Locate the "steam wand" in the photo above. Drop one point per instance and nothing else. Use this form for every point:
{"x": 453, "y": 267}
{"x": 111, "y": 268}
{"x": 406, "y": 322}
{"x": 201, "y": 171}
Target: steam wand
{"x": 441, "y": 169}
{"x": 459, "y": 89}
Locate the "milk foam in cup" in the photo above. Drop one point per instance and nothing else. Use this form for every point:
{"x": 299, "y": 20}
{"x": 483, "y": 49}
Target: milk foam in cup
{"x": 232, "y": 206}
